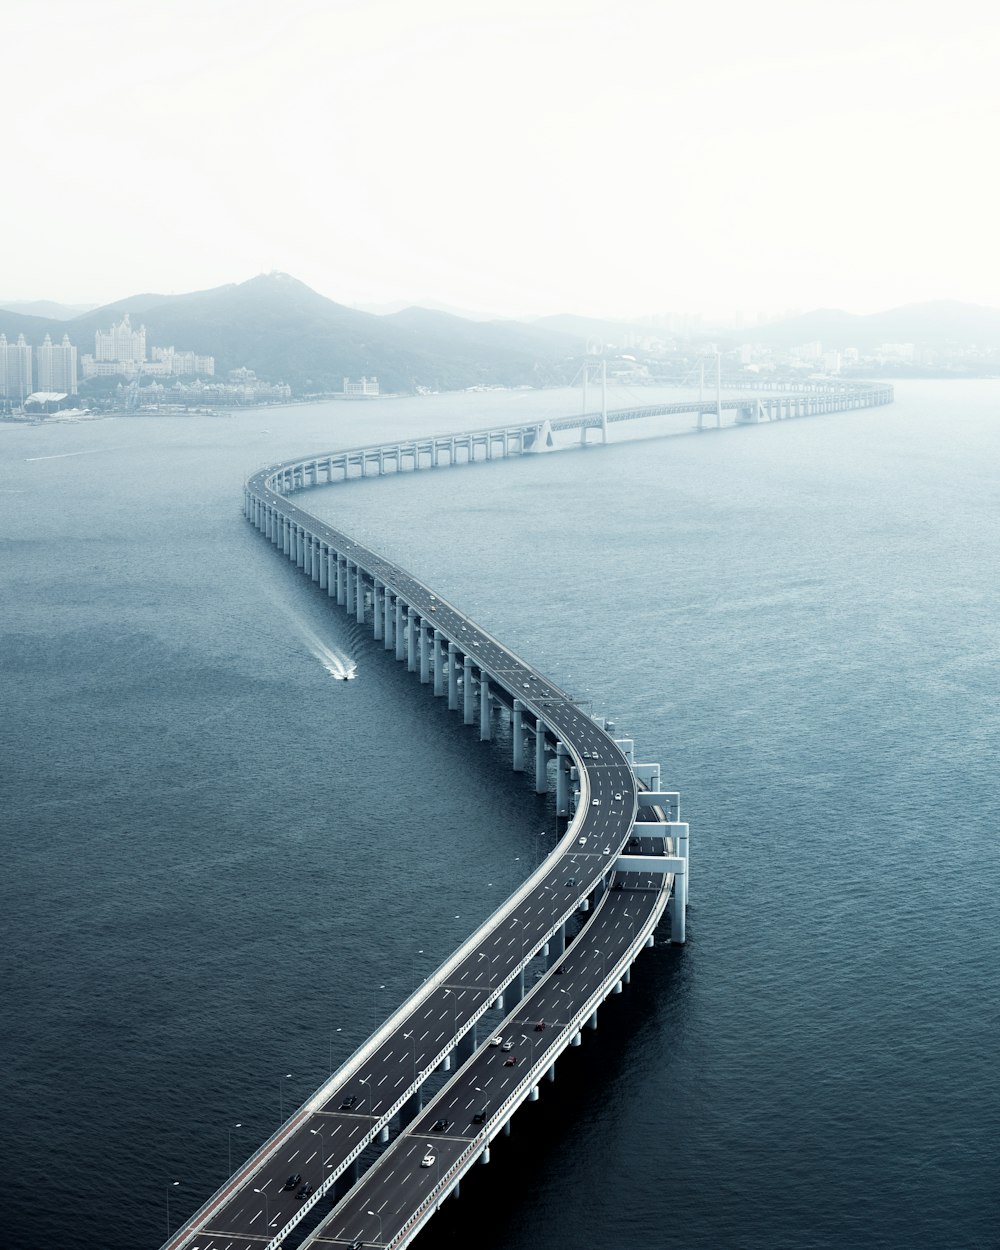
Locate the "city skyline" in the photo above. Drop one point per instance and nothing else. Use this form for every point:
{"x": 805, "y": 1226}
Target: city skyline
{"x": 522, "y": 159}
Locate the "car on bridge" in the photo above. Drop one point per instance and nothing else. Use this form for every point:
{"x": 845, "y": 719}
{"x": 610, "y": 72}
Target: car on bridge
{"x": 293, "y": 1180}
{"x": 441, "y": 1126}
{"x": 428, "y": 1160}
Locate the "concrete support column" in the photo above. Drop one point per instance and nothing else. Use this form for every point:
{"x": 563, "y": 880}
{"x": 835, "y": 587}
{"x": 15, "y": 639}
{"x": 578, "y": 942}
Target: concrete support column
{"x": 350, "y": 571}
{"x": 485, "y": 1156}
{"x": 562, "y": 779}
{"x": 359, "y": 596}
{"x": 533, "y": 1094}
{"x": 378, "y": 594}
{"x": 575, "y": 1040}
{"x": 388, "y": 622}
{"x": 678, "y": 908}
{"x": 592, "y": 1020}
{"x": 518, "y": 734}
{"x": 439, "y": 663}
{"x": 541, "y": 776}
{"x": 411, "y": 640}
{"x": 452, "y": 677}
{"x": 324, "y": 566}
{"x": 468, "y": 709}
{"x": 425, "y": 653}
{"x": 399, "y": 630}
{"x": 342, "y": 580}
{"x": 485, "y": 708}
{"x": 314, "y": 560}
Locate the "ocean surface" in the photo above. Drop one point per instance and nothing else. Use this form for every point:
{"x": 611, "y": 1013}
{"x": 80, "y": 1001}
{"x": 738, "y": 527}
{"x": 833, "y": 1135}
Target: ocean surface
{"x": 222, "y": 866}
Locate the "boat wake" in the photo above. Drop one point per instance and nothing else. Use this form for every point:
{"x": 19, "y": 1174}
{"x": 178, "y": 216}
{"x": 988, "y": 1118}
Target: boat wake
{"x": 339, "y": 664}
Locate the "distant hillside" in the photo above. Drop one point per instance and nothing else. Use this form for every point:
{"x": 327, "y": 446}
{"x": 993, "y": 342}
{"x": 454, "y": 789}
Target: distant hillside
{"x": 939, "y": 324}
{"x": 287, "y": 332}
{"x": 45, "y": 308}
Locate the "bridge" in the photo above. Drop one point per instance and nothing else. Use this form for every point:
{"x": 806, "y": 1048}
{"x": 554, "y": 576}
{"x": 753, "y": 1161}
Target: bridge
{"x": 535, "y": 973}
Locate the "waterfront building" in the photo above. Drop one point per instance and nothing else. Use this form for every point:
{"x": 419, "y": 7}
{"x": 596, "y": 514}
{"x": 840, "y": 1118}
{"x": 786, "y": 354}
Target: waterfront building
{"x": 56, "y": 365}
{"x": 367, "y": 387}
{"x": 121, "y": 344}
{"x": 15, "y": 370}
{"x": 168, "y": 362}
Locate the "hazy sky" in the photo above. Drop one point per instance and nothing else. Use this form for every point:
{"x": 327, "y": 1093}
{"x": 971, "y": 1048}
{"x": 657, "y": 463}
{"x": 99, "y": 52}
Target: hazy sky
{"x": 517, "y": 156}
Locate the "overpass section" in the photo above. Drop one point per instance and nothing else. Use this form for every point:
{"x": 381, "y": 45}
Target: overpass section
{"x": 622, "y": 858}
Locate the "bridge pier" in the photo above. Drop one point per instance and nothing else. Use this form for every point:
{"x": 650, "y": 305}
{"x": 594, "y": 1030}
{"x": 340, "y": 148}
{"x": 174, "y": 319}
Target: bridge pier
{"x": 399, "y": 631}
{"x": 425, "y": 653}
{"x": 541, "y": 775}
{"x": 485, "y": 707}
{"x": 439, "y": 663}
{"x": 378, "y": 596}
{"x": 359, "y": 596}
{"x": 518, "y": 734}
{"x": 350, "y": 571}
{"x": 411, "y": 640}
{"x": 468, "y": 711}
{"x": 388, "y": 620}
{"x": 452, "y": 677}
{"x": 562, "y": 779}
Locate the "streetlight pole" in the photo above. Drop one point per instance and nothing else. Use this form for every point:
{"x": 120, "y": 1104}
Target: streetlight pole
{"x": 281, "y": 1096}
{"x": 413, "y": 1044}
{"x": 172, "y": 1185}
{"x": 379, "y": 1218}
{"x": 267, "y": 1210}
{"x": 229, "y": 1134}
{"x": 322, "y": 1154}
{"x": 331, "y": 1047}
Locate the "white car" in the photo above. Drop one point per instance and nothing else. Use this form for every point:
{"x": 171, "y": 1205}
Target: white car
{"x": 428, "y": 1160}
{"x": 618, "y": 797}
{"x": 595, "y": 802}
{"x": 507, "y": 1047}
{"x": 496, "y": 1041}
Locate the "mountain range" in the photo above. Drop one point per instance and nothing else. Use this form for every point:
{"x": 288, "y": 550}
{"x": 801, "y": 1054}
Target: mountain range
{"x": 287, "y": 332}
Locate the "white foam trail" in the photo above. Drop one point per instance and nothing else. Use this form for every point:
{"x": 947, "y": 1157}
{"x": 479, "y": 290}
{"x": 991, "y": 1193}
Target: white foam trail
{"x": 63, "y": 455}
{"x": 337, "y": 663}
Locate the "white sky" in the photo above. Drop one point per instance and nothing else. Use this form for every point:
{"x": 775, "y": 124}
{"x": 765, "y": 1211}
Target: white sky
{"x": 612, "y": 157}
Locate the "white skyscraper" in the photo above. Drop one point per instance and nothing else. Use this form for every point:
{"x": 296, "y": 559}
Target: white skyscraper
{"x": 57, "y": 366}
{"x": 15, "y": 369}
{"x": 121, "y": 343}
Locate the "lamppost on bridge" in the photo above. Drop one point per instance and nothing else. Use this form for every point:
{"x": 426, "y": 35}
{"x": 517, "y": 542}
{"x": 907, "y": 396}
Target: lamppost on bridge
{"x": 335, "y": 1031}
{"x": 229, "y": 1135}
{"x": 322, "y": 1154}
{"x": 281, "y": 1096}
{"x": 172, "y": 1185}
{"x": 379, "y": 1218}
{"x": 413, "y": 1045}
{"x": 489, "y": 964}
{"x": 267, "y": 1210}
{"x": 376, "y": 990}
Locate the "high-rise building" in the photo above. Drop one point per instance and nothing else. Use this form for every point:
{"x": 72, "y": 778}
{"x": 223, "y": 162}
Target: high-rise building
{"x": 15, "y": 369}
{"x": 121, "y": 343}
{"x": 57, "y": 366}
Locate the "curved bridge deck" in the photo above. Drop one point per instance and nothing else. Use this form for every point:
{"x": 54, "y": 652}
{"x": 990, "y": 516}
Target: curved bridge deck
{"x": 622, "y": 856}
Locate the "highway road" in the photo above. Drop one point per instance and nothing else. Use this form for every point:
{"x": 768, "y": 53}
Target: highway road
{"x": 346, "y": 1115}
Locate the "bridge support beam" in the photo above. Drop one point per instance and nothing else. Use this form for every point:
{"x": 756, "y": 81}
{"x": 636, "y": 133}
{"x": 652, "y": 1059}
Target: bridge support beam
{"x": 388, "y": 632}
{"x": 352, "y": 586}
{"x": 411, "y": 640}
{"x": 468, "y": 710}
{"x": 331, "y": 573}
{"x": 562, "y": 779}
{"x": 324, "y": 566}
{"x": 439, "y": 663}
{"x": 399, "y": 632}
{"x": 518, "y": 734}
{"x": 359, "y": 596}
{"x": 485, "y": 708}
{"x": 541, "y": 775}
{"x": 425, "y": 652}
{"x": 378, "y": 595}
{"x": 342, "y": 581}
{"x": 452, "y": 677}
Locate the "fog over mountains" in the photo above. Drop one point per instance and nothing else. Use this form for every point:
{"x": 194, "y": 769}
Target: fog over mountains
{"x": 287, "y": 332}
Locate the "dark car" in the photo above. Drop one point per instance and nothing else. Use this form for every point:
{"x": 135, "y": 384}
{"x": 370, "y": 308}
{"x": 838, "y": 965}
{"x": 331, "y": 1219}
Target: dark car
{"x": 305, "y": 1191}
{"x": 293, "y": 1180}
{"x": 479, "y": 1117}
{"x": 539, "y": 1026}
{"x": 510, "y": 1061}
{"x": 561, "y": 968}
{"x": 441, "y": 1126}
{"x": 571, "y": 881}
{"x": 349, "y": 1102}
